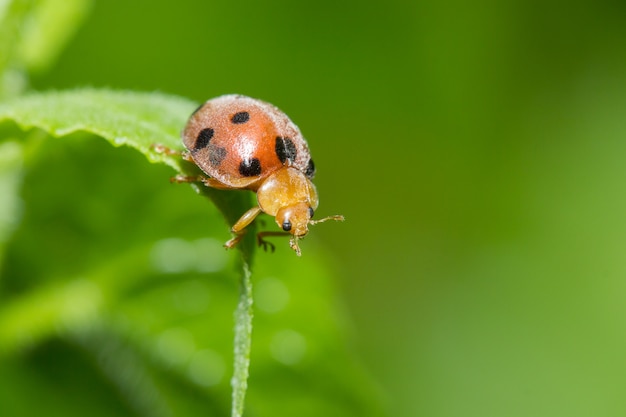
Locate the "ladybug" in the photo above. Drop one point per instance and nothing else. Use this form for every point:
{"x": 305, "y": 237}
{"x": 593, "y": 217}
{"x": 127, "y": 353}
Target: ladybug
{"x": 248, "y": 144}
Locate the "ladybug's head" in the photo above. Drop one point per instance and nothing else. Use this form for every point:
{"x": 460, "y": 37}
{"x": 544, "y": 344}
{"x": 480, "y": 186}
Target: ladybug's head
{"x": 295, "y": 218}
{"x": 291, "y": 198}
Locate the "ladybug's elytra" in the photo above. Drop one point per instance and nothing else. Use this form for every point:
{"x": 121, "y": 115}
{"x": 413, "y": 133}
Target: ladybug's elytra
{"x": 245, "y": 143}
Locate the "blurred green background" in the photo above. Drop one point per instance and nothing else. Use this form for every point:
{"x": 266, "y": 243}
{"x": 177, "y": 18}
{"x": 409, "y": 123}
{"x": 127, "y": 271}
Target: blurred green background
{"x": 477, "y": 151}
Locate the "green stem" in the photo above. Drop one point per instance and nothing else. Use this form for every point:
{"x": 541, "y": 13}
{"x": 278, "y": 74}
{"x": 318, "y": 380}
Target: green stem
{"x": 243, "y": 339}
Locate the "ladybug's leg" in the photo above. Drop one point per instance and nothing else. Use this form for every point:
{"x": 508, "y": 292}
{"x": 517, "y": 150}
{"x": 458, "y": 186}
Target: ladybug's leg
{"x": 213, "y": 183}
{"x": 239, "y": 228}
{"x": 162, "y": 149}
{"x": 159, "y": 148}
{"x": 209, "y": 182}
{"x": 264, "y": 243}
{"x": 187, "y": 178}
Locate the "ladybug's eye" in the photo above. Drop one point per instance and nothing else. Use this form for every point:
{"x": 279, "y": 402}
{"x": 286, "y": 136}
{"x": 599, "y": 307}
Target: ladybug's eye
{"x": 311, "y": 212}
{"x": 286, "y": 225}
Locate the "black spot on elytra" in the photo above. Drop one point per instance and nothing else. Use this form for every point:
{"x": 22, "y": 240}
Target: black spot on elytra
{"x": 285, "y": 150}
{"x": 203, "y": 139}
{"x": 217, "y": 155}
{"x": 310, "y": 169}
{"x": 250, "y": 167}
{"x": 240, "y": 118}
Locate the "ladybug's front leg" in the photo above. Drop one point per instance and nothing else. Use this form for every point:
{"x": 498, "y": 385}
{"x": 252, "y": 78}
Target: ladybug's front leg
{"x": 239, "y": 228}
{"x": 264, "y": 243}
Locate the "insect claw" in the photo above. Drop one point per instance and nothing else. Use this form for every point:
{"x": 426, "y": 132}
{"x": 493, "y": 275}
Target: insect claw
{"x": 235, "y": 240}
{"x": 265, "y": 244}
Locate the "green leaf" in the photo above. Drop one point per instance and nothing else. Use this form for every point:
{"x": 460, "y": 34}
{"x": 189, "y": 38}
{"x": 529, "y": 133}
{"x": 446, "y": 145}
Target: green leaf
{"x": 123, "y": 118}
{"x": 116, "y": 287}
{"x": 138, "y": 120}
{"x": 243, "y": 344}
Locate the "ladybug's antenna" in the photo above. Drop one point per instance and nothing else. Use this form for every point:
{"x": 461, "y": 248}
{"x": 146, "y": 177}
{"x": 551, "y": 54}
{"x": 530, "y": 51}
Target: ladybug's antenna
{"x": 336, "y": 217}
{"x": 293, "y": 242}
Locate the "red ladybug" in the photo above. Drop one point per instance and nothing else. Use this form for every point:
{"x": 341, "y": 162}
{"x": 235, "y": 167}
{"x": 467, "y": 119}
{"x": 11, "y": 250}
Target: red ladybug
{"x": 245, "y": 143}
